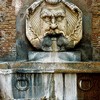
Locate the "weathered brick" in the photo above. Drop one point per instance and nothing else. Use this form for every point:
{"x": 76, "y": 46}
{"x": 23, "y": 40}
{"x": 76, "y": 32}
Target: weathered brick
{"x": 8, "y": 26}
{"x": 7, "y": 29}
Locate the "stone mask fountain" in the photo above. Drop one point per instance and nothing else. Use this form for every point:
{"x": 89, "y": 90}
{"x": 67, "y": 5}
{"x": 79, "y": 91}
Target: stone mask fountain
{"x": 53, "y": 28}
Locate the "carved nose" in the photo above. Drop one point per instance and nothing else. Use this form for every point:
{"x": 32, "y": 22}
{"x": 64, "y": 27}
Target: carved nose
{"x": 53, "y": 23}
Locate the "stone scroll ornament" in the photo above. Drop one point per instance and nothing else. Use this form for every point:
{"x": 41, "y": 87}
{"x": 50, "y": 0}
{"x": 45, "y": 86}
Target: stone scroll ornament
{"x": 53, "y": 25}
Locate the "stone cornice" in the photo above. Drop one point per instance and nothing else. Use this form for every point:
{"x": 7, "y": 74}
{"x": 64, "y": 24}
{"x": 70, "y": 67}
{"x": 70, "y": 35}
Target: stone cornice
{"x": 39, "y": 67}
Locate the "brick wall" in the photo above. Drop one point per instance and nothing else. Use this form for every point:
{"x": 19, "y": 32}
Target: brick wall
{"x": 7, "y": 30}
{"x": 90, "y": 8}
{"x": 96, "y": 30}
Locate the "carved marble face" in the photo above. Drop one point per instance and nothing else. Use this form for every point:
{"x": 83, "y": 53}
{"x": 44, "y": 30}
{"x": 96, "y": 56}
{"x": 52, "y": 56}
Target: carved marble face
{"x": 53, "y": 20}
{"x": 53, "y": 25}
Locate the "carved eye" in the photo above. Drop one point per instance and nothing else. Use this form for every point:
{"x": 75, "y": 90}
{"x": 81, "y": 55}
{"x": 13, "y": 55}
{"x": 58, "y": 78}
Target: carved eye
{"x": 46, "y": 19}
{"x": 60, "y": 18}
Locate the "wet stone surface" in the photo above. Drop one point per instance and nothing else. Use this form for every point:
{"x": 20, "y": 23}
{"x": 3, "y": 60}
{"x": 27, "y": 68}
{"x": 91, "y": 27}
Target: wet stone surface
{"x": 54, "y": 56}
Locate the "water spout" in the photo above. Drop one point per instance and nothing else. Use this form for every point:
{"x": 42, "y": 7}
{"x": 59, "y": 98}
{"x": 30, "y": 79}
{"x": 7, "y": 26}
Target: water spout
{"x": 54, "y": 45}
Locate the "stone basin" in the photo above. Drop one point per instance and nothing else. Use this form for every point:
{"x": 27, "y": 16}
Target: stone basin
{"x": 54, "y": 56}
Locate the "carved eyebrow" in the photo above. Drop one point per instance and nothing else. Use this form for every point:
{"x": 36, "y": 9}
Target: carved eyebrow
{"x": 45, "y": 12}
{"x": 60, "y": 13}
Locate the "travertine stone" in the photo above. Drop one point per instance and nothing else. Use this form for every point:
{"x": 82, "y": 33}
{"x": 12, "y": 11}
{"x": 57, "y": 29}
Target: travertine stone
{"x": 54, "y": 56}
{"x": 34, "y": 67}
{"x": 53, "y": 25}
{"x": 17, "y": 4}
{"x": 42, "y": 81}
{"x": 70, "y": 87}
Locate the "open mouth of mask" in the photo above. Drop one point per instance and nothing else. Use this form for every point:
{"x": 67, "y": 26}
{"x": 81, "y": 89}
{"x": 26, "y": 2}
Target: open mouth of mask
{"x": 54, "y": 42}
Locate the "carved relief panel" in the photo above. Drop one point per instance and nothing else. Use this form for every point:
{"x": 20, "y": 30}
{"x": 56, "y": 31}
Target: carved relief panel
{"x": 88, "y": 86}
{"x": 53, "y": 25}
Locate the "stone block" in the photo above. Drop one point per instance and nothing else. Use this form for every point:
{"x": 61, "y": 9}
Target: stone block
{"x": 54, "y": 56}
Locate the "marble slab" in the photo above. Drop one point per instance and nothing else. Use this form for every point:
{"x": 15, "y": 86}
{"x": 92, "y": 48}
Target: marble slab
{"x": 54, "y": 56}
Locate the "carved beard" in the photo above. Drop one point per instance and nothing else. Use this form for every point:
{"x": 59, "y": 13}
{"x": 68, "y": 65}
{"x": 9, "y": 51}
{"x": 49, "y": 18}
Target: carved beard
{"x": 61, "y": 40}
